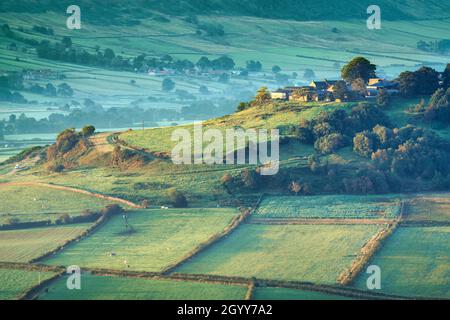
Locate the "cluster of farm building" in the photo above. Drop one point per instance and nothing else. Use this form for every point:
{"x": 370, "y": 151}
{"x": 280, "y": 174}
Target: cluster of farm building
{"x": 326, "y": 91}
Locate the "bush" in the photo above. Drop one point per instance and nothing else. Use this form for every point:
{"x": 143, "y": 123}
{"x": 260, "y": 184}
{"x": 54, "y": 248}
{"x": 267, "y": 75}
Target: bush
{"x": 88, "y": 131}
{"x": 177, "y": 198}
{"x": 168, "y": 85}
{"x": 63, "y": 219}
{"x": 112, "y": 209}
{"x": 330, "y": 143}
{"x": 383, "y": 99}
{"x": 364, "y": 143}
{"x": 54, "y": 167}
{"x": 12, "y": 221}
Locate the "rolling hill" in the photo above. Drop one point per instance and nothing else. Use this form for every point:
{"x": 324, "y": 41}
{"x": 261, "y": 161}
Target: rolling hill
{"x": 283, "y": 9}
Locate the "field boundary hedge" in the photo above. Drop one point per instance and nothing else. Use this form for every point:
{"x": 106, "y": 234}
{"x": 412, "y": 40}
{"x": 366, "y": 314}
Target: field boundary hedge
{"x": 25, "y": 225}
{"x": 103, "y": 219}
{"x": 319, "y": 221}
{"x": 250, "y": 291}
{"x": 30, "y": 267}
{"x": 424, "y": 223}
{"x": 213, "y": 279}
{"x": 368, "y": 250}
{"x": 234, "y": 224}
{"x": 32, "y": 293}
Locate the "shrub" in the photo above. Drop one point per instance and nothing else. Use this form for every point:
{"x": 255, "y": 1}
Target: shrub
{"x": 63, "y": 219}
{"x": 330, "y": 143}
{"x": 177, "y": 198}
{"x": 12, "y": 221}
{"x": 364, "y": 143}
{"x": 88, "y": 131}
{"x": 112, "y": 209}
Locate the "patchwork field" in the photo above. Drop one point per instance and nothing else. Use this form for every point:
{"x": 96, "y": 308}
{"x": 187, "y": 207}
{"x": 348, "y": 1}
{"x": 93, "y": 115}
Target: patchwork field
{"x": 119, "y": 288}
{"x": 156, "y": 239}
{"x": 25, "y": 245}
{"x": 271, "y": 293}
{"x": 35, "y": 203}
{"x": 429, "y": 208}
{"x": 15, "y": 282}
{"x": 336, "y": 206}
{"x": 414, "y": 261}
{"x": 283, "y": 252}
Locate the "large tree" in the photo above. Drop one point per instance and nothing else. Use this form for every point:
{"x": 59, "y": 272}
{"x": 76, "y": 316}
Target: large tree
{"x": 424, "y": 81}
{"x": 262, "y": 96}
{"x": 446, "y": 77}
{"x": 168, "y": 84}
{"x": 340, "y": 90}
{"x": 359, "y": 67}
{"x": 428, "y": 80}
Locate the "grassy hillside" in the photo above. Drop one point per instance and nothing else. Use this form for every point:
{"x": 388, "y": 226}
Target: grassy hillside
{"x": 270, "y": 116}
{"x": 291, "y": 9}
{"x": 294, "y": 45}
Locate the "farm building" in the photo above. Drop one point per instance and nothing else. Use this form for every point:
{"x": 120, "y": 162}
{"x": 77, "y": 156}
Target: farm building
{"x": 376, "y": 84}
{"x": 326, "y": 85}
{"x": 305, "y": 93}
{"x": 280, "y": 94}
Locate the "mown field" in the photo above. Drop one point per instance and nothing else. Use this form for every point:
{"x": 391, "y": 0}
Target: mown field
{"x": 120, "y": 288}
{"x": 156, "y": 239}
{"x": 272, "y": 293}
{"x": 15, "y": 282}
{"x": 414, "y": 261}
{"x": 283, "y": 252}
{"x": 429, "y": 207}
{"x": 27, "y": 244}
{"x": 335, "y": 206}
{"x": 36, "y": 203}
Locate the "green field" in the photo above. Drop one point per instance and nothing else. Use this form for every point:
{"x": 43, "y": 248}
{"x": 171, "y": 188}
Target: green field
{"x": 158, "y": 238}
{"x": 25, "y": 245}
{"x": 283, "y": 252}
{"x": 271, "y": 293}
{"x": 15, "y": 282}
{"x": 299, "y": 44}
{"x": 414, "y": 262}
{"x": 335, "y": 206}
{"x": 435, "y": 207}
{"x": 36, "y": 203}
{"x": 119, "y": 288}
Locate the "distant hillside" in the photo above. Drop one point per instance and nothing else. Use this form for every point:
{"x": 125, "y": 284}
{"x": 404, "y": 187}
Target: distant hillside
{"x": 102, "y": 11}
